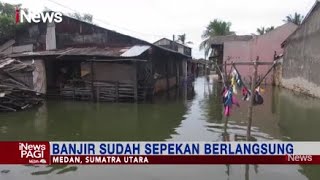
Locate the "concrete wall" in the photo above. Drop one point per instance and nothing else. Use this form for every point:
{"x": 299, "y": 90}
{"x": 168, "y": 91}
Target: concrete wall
{"x": 263, "y": 46}
{"x": 266, "y": 45}
{"x": 301, "y": 65}
{"x": 238, "y": 51}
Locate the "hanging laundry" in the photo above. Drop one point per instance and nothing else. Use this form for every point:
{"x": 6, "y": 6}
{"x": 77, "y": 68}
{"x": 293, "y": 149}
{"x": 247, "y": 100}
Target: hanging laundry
{"x": 245, "y": 94}
{"x": 260, "y": 90}
{"x": 258, "y": 99}
{"x": 229, "y": 100}
{"x": 233, "y": 84}
{"x": 237, "y": 78}
{"x": 223, "y": 92}
{"x": 239, "y": 82}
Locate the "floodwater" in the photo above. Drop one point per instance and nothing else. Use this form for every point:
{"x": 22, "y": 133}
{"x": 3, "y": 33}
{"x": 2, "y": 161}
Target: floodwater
{"x": 195, "y": 115}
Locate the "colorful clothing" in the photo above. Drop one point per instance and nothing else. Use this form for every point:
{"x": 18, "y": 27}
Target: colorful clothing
{"x": 229, "y": 100}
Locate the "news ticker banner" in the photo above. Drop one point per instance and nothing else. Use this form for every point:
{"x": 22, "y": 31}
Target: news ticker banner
{"x": 159, "y": 152}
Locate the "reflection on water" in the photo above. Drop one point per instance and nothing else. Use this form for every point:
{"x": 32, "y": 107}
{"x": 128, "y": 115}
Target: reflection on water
{"x": 194, "y": 114}
{"x": 59, "y": 169}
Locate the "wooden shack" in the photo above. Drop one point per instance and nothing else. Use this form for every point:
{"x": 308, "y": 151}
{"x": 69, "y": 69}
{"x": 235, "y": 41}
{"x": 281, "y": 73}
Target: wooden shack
{"x": 79, "y": 60}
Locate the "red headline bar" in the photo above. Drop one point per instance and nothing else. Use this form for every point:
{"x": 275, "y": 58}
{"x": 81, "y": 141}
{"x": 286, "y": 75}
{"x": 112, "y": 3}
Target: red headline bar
{"x": 25, "y": 152}
{"x": 199, "y": 159}
{"x": 39, "y": 153}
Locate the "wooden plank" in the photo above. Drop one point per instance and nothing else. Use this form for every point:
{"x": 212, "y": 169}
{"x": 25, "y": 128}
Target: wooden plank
{"x": 92, "y": 80}
{"x": 7, "y": 44}
{"x": 22, "y": 48}
{"x": 117, "y": 90}
{"x": 136, "y": 84}
{"x": 98, "y": 94}
{"x": 250, "y": 110}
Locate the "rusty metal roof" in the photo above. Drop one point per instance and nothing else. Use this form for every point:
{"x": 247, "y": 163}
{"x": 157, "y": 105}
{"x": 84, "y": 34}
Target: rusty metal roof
{"x": 89, "y": 51}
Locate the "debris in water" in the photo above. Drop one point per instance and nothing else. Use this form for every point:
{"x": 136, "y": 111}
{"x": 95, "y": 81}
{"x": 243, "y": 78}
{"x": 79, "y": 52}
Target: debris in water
{"x": 15, "y": 93}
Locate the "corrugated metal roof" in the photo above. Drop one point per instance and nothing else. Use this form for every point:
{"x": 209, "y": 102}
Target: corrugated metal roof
{"x": 184, "y": 45}
{"x": 90, "y": 51}
{"x": 135, "y": 51}
{"x": 108, "y": 52}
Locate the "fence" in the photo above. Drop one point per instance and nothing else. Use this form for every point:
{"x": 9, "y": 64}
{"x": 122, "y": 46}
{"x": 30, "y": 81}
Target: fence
{"x": 105, "y": 91}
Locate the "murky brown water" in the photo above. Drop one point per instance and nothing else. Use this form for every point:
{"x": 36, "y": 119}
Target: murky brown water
{"x": 178, "y": 116}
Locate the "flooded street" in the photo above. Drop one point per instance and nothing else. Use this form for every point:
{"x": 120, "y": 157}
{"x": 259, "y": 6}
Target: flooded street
{"x": 177, "y": 116}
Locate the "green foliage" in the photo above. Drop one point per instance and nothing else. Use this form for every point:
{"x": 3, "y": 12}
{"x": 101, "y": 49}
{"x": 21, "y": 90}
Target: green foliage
{"x": 8, "y": 27}
{"x": 8, "y": 9}
{"x": 214, "y": 28}
{"x": 82, "y": 17}
{"x": 269, "y": 29}
{"x": 296, "y": 18}
{"x": 182, "y": 39}
{"x": 261, "y": 31}
{"x": 264, "y": 30}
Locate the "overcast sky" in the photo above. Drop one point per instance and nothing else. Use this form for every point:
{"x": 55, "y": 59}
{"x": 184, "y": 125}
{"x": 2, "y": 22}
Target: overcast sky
{"x": 153, "y": 19}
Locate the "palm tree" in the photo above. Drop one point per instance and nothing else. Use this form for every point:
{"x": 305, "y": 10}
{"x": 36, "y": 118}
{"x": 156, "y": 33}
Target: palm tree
{"x": 214, "y": 28}
{"x": 296, "y": 18}
{"x": 182, "y": 39}
{"x": 269, "y": 29}
{"x": 261, "y": 31}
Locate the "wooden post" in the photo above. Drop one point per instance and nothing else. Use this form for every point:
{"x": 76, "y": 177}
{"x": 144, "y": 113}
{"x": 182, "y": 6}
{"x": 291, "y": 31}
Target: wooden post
{"x": 178, "y": 74}
{"x": 74, "y": 93}
{"x": 135, "y": 87}
{"x": 225, "y": 72}
{"x": 226, "y": 124}
{"x": 98, "y": 93}
{"x": 92, "y": 80}
{"x": 253, "y": 87}
{"x": 117, "y": 91}
{"x": 247, "y": 174}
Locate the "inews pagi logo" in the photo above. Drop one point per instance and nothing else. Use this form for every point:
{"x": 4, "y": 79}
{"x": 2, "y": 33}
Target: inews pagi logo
{"x": 44, "y": 17}
{"x": 35, "y": 153}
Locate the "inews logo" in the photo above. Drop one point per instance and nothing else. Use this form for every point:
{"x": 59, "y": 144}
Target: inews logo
{"x": 44, "y": 17}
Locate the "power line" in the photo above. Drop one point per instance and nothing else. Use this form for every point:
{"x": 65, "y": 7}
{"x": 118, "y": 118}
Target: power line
{"x": 104, "y": 22}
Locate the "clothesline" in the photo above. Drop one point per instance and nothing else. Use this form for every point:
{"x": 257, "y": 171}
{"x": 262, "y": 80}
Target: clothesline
{"x": 236, "y": 81}
{"x": 227, "y": 95}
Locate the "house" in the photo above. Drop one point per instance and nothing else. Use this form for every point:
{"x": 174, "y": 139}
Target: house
{"x": 181, "y": 48}
{"x": 173, "y": 45}
{"x": 301, "y": 60}
{"x": 79, "y": 60}
{"x": 249, "y": 47}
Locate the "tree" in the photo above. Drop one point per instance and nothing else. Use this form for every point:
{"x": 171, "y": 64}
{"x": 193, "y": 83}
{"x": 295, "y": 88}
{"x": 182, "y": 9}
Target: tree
{"x": 82, "y": 17}
{"x": 263, "y": 30}
{"x": 182, "y": 39}
{"x": 214, "y": 28}
{"x": 8, "y": 28}
{"x": 296, "y": 18}
{"x": 269, "y": 29}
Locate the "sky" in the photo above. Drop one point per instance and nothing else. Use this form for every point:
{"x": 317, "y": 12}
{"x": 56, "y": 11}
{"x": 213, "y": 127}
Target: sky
{"x": 152, "y": 20}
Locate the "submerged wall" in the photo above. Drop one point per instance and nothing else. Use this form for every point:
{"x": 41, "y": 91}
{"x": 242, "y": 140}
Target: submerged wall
{"x": 301, "y": 65}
